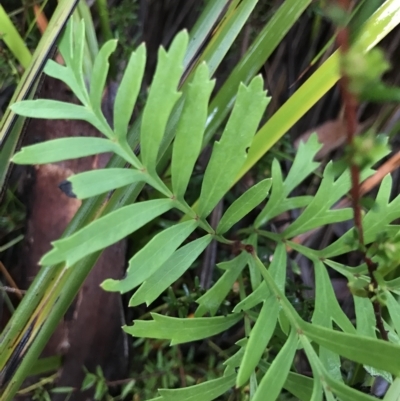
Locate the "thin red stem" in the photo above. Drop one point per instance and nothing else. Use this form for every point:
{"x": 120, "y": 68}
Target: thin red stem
{"x": 350, "y": 104}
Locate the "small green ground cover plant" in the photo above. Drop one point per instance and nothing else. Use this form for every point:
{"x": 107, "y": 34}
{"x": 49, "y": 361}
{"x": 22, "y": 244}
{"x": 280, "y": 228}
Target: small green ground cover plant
{"x": 264, "y": 309}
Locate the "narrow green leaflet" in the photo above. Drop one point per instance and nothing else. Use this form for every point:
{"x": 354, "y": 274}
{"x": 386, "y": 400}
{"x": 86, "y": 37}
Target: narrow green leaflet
{"x": 393, "y": 307}
{"x": 376, "y": 353}
{"x": 128, "y": 91}
{"x": 375, "y": 221}
{"x": 206, "y": 391}
{"x": 63, "y": 149}
{"x": 170, "y": 271}
{"x": 346, "y": 393}
{"x": 325, "y": 304}
{"x": 66, "y": 75}
{"x": 54, "y": 110}
{"x": 300, "y": 386}
{"x": 302, "y": 167}
{"x": 267, "y": 319}
{"x": 330, "y": 385}
{"x": 394, "y": 284}
{"x": 150, "y": 258}
{"x": 99, "y": 75}
{"x": 244, "y": 205}
{"x": 260, "y": 335}
{"x": 105, "y": 231}
{"x": 190, "y": 130}
{"x": 231, "y": 149}
{"x": 318, "y": 212}
{"x": 233, "y": 362}
{"x": 77, "y": 49}
{"x": 255, "y": 275}
{"x": 277, "y": 270}
{"x": 162, "y": 98}
{"x": 272, "y": 382}
{"x": 303, "y": 164}
{"x": 327, "y": 309}
{"x": 181, "y": 330}
{"x": 317, "y": 369}
{"x": 212, "y": 299}
{"x": 365, "y": 317}
{"x": 347, "y": 271}
{"x": 71, "y": 47}
{"x": 325, "y": 300}
{"x": 92, "y": 183}
{"x": 257, "y": 296}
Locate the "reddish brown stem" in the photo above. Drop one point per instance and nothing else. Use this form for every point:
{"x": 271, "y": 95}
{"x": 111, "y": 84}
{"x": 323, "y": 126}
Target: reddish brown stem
{"x": 350, "y": 104}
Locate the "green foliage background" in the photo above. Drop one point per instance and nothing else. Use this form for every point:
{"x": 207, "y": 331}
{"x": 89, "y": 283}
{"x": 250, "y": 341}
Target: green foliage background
{"x": 179, "y": 118}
